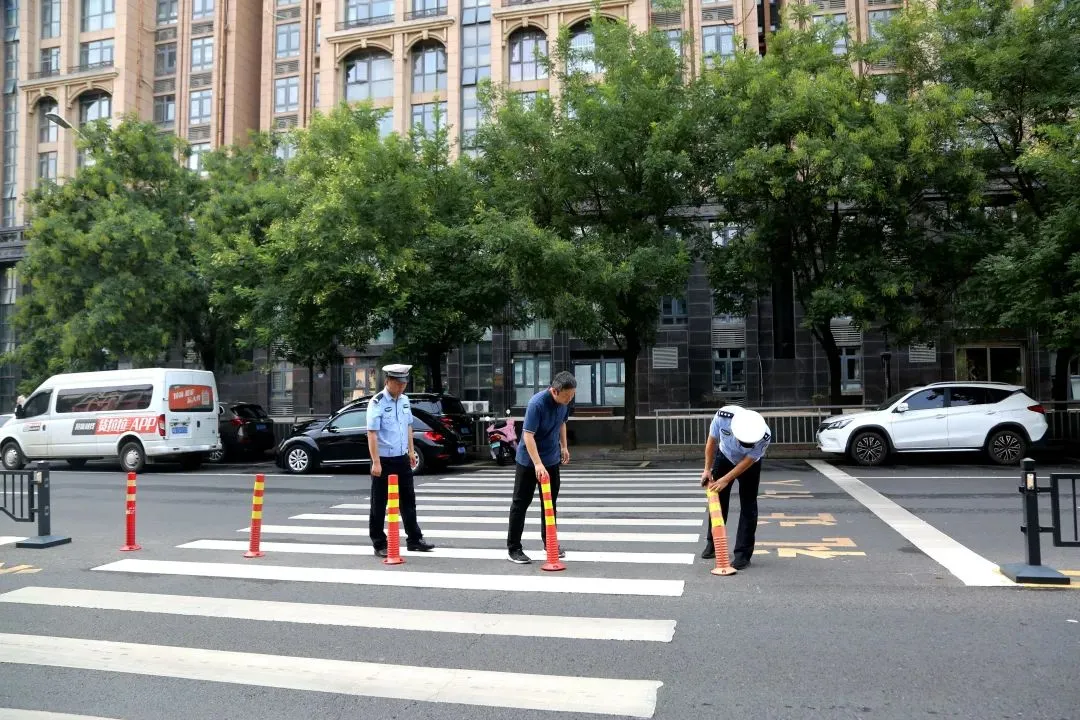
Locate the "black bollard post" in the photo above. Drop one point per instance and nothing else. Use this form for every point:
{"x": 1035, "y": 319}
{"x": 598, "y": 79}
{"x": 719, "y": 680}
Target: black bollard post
{"x": 1033, "y": 570}
{"x": 42, "y": 507}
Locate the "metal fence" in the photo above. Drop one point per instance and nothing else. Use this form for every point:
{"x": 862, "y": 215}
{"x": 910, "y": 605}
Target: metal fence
{"x": 789, "y": 426}
{"x": 25, "y": 497}
{"x": 1065, "y": 509}
{"x": 17, "y": 494}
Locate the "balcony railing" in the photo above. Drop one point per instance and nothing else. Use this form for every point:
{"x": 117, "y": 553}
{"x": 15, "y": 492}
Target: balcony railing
{"x": 44, "y": 73}
{"x": 91, "y": 67}
{"x": 511, "y": 3}
{"x": 426, "y": 13}
{"x": 365, "y": 22}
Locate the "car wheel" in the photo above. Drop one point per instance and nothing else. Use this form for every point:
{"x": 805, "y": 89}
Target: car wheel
{"x": 298, "y": 460}
{"x": 418, "y": 460}
{"x": 215, "y": 456}
{"x": 132, "y": 457}
{"x": 1006, "y": 446}
{"x": 869, "y": 448}
{"x": 13, "y": 457}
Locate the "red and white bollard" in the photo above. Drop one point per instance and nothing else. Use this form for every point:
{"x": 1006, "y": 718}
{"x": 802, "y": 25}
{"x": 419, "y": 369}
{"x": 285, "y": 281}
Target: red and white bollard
{"x": 130, "y": 543}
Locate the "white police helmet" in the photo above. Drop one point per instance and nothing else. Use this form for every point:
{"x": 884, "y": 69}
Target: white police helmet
{"x": 748, "y": 426}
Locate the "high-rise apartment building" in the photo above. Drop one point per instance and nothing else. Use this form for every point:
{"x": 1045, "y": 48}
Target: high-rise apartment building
{"x": 211, "y": 70}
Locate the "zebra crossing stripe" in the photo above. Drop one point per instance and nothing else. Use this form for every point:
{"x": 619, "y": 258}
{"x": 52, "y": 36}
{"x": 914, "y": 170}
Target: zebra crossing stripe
{"x": 406, "y": 578}
{"x": 477, "y": 520}
{"x": 482, "y": 534}
{"x": 16, "y": 714}
{"x": 565, "y": 508}
{"x": 640, "y": 558}
{"x": 607, "y": 696}
{"x": 552, "y": 626}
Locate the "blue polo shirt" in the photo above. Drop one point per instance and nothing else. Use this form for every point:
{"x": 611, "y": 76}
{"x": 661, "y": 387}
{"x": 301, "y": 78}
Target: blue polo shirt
{"x": 544, "y": 418}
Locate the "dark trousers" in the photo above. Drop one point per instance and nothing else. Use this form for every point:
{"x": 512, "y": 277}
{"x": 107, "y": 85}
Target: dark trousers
{"x": 749, "y": 482}
{"x": 525, "y": 484}
{"x": 407, "y": 501}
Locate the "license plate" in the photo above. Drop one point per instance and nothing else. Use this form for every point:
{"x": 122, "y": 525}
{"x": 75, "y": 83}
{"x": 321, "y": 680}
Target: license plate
{"x": 461, "y": 451}
{"x": 494, "y": 445}
{"x": 180, "y": 430}
{"x": 260, "y": 427}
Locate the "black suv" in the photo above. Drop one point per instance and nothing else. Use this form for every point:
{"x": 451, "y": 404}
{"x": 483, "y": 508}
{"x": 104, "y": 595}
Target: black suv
{"x": 447, "y": 408}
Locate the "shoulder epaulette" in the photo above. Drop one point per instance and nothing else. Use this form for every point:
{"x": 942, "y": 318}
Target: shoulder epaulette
{"x": 375, "y": 400}
{"x": 725, "y": 414}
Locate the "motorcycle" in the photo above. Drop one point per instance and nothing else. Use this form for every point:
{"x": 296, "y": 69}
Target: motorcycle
{"x": 503, "y": 441}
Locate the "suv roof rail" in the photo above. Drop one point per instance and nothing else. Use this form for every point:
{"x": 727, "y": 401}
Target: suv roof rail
{"x": 972, "y": 382}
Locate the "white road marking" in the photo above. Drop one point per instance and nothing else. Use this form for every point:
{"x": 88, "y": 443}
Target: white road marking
{"x": 150, "y": 475}
{"x": 634, "y": 698}
{"x": 639, "y": 558}
{"x": 477, "y": 520}
{"x": 566, "y": 485}
{"x": 481, "y": 534}
{"x": 14, "y": 714}
{"x": 562, "y": 497}
{"x": 937, "y": 477}
{"x": 389, "y": 577}
{"x": 565, "y": 508}
{"x": 9, "y": 539}
{"x": 970, "y": 567}
{"x": 572, "y": 627}
{"x": 566, "y": 490}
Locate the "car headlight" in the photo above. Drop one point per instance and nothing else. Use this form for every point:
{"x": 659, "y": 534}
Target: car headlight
{"x": 838, "y": 424}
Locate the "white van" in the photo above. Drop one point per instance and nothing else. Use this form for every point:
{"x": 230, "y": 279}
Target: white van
{"x": 137, "y": 415}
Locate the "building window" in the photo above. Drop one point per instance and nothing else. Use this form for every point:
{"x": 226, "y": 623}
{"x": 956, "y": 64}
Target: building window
{"x": 98, "y": 15}
{"x": 315, "y": 91}
{"x": 50, "y": 18}
{"x": 840, "y": 19}
{"x": 202, "y": 8}
{"x": 717, "y": 40}
{"x": 429, "y": 69}
{"x": 600, "y": 382}
{"x": 538, "y": 329}
{"x": 673, "y": 311}
{"x": 851, "y": 370}
{"x": 47, "y": 166}
{"x": 286, "y": 94}
{"x": 475, "y": 53}
{"x": 165, "y": 59}
{"x": 477, "y": 370}
{"x": 1004, "y": 364}
{"x": 288, "y": 40}
{"x": 165, "y": 109}
{"x": 11, "y": 18}
{"x": 318, "y": 33}
{"x": 284, "y": 149}
{"x": 475, "y": 11}
{"x": 48, "y": 131}
{"x": 368, "y": 77}
{"x": 94, "y": 106}
{"x": 202, "y": 53}
{"x": 96, "y": 54}
{"x": 167, "y": 11}
{"x": 50, "y": 62}
{"x": 528, "y": 48}
{"x": 11, "y": 145}
{"x": 199, "y": 107}
{"x": 386, "y": 123}
{"x": 423, "y": 117}
{"x": 532, "y": 373}
{"x": 675, "y": 42}
{"x": 729, "y": 371}
{"x": 359, "y": 12}
{"x": 471, "y": 116}
{"x": 195, "y": 160}
{"x": 582, "y": 47}
{"x": 428, "y": 8}
{"x": 877, "y": 19}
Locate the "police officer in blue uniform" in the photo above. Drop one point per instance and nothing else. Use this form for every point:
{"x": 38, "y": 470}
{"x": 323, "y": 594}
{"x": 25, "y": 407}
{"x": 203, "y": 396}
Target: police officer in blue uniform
{"x": 390, "y": 444}
{"x": 741, "y": 436}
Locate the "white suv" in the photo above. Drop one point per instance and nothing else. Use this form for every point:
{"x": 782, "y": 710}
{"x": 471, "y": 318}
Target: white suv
{"x": 941, "y": 417}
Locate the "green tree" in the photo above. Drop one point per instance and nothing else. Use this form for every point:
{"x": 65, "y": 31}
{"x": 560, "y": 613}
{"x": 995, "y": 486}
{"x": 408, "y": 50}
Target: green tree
{"x": 1022, "y": 65}
{"x": 110, "y": 261}
{"x": 611, "y": 170}
{"x": 852, "y": 203}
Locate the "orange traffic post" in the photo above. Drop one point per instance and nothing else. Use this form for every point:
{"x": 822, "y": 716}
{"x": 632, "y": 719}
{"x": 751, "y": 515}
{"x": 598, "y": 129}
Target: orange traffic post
{"x": 256, "y": 517}
{"x": 393, "y": 520}
{"x": 550, "y": 534}
{"x": 719, "y": 536}
{"x": 130, "y": 543}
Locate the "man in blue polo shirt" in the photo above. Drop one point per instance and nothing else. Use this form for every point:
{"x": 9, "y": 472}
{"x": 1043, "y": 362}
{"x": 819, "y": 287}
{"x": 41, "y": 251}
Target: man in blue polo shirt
{"x": 540, "y": 454}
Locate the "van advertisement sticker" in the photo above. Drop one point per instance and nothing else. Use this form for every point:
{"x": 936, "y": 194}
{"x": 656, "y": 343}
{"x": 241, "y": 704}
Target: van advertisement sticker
{"x": 189, "y": 397}
{"x": 115, "y": 426}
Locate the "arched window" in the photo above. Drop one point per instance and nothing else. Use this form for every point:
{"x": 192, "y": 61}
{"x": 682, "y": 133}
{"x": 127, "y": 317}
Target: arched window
{"x": 428, "y": 68}
{"x": 94, "y": 106}
{"x": 368, "y": 76}
{"x": 527, "y": 48}
{"x": 582, "y": 47}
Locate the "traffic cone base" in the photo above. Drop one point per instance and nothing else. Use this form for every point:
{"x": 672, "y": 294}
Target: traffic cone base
{"x": 393, "y": 517}
{"x": 129, "y": 548}
{"x": 723, "y": 570}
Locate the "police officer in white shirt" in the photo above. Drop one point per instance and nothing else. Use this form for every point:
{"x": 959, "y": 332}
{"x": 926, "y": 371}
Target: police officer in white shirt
{"x": 390, "y": 444}
{"x": 742, "y": 436}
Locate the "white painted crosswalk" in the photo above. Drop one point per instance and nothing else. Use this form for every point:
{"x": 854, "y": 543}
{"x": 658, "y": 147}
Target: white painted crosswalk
{"x": 623, "y": 532}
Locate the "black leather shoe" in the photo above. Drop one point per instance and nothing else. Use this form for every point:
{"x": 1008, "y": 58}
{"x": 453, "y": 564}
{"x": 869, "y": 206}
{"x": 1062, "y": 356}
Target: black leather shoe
{"x": 708, "y": 553}
{"x": 380, "y": 552}
{"x": 420, "y": 545}
{"x": 740, "y": 563}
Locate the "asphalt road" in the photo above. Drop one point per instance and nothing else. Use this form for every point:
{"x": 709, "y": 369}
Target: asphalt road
{"x": 839, "y": 616}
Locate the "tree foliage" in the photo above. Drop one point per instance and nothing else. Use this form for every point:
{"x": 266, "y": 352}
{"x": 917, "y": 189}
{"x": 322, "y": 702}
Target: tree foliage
{"x": 110, "y": 260}
{"x": 854, "y": 203}
{"x": 609, "y": 168}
